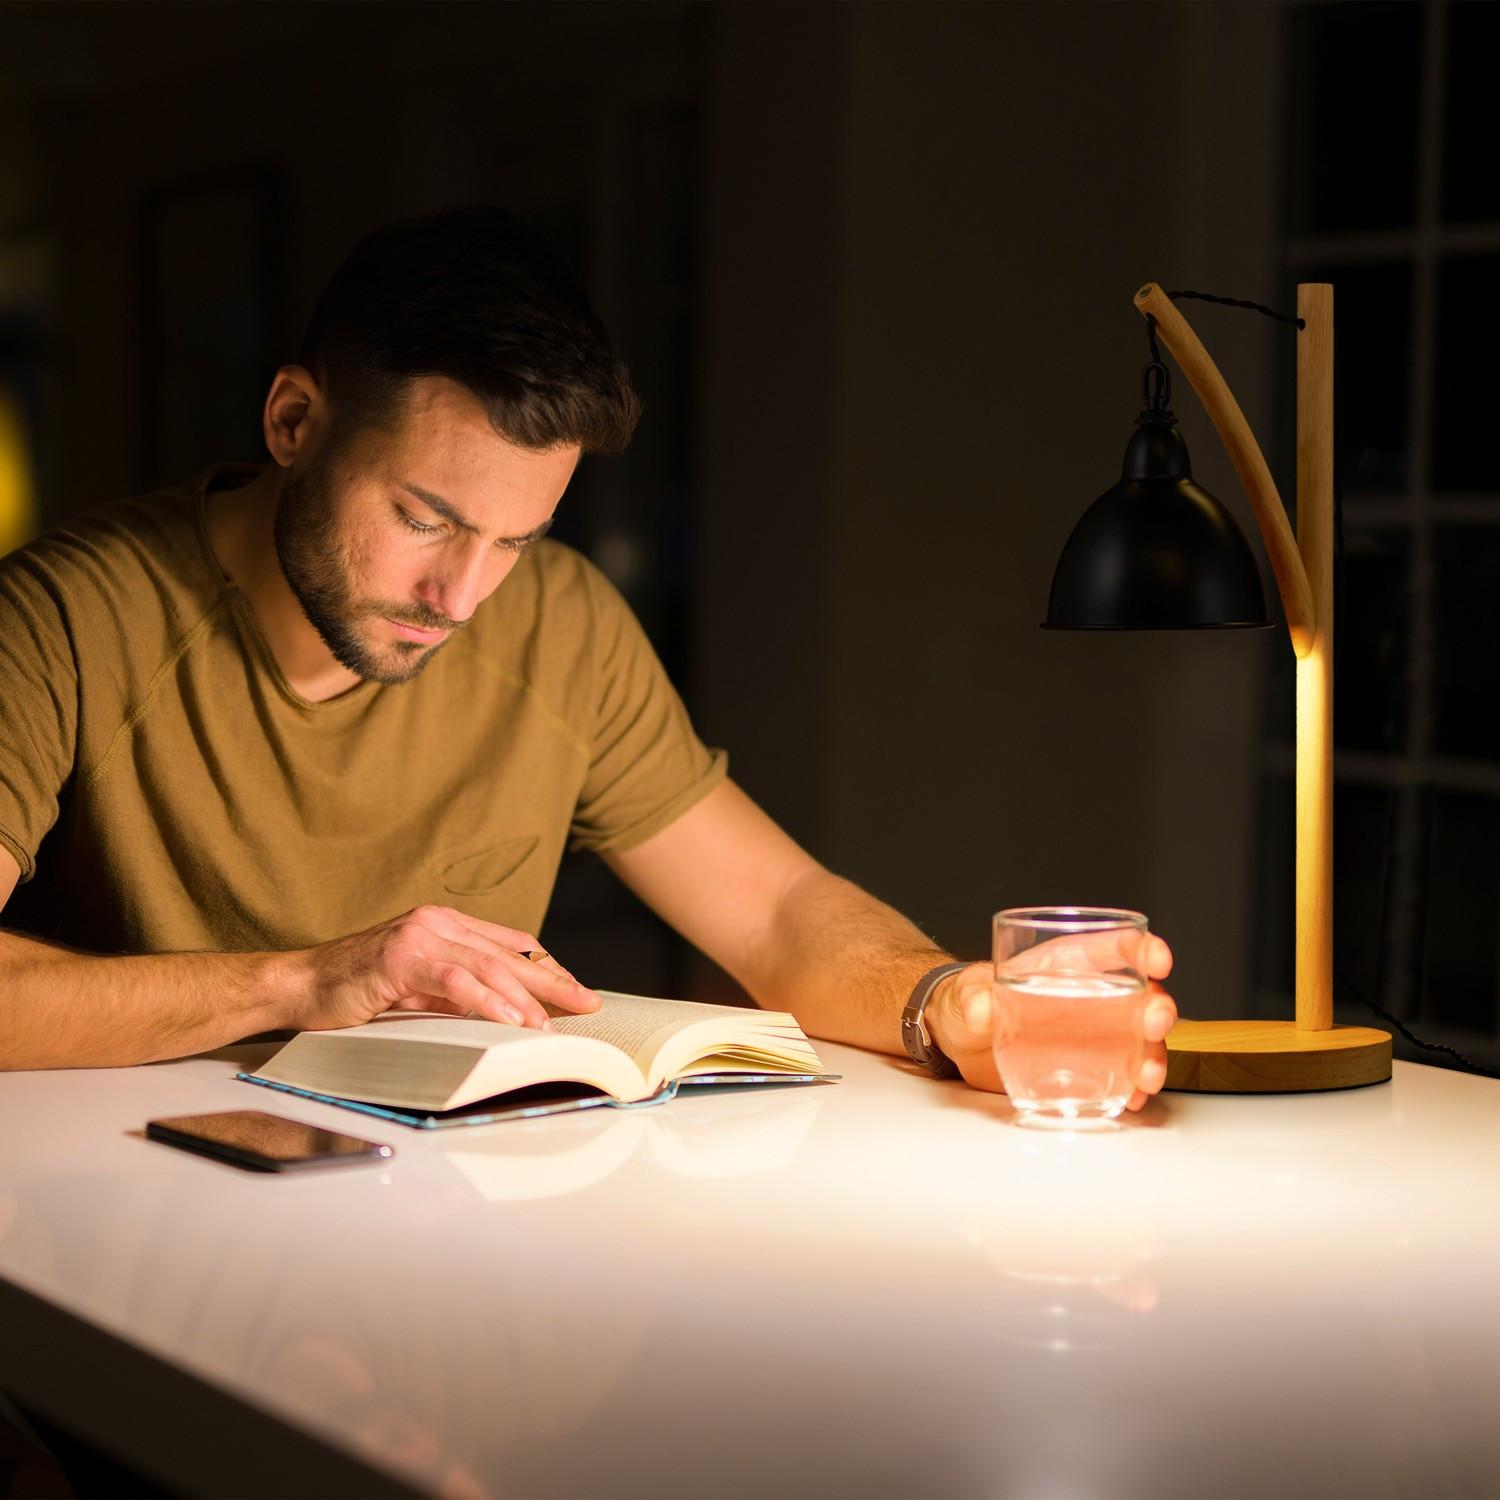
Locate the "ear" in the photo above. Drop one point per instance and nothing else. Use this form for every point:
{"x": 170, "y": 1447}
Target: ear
{"x": 296, "y": 413}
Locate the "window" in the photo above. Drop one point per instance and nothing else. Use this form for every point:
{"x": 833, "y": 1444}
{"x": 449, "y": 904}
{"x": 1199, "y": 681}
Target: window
{"x": 1393, "y": 198}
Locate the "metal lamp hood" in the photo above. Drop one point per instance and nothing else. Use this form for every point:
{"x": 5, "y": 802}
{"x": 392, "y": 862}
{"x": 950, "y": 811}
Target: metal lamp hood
{"x": 1157, "y": 551}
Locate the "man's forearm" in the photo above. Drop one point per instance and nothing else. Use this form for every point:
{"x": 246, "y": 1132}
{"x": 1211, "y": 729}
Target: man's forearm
{"x": 63, "y": 1009}
{"x": 842, "y": 962}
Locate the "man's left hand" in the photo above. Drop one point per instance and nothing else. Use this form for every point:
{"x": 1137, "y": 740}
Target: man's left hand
{"x": 960, "y": 1018}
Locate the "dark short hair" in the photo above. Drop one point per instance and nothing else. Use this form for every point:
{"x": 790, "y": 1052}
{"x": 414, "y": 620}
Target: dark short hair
{"x": 473, "y": 294}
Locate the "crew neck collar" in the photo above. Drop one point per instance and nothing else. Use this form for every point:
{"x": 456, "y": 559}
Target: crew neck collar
{"x": 233, "y": 476}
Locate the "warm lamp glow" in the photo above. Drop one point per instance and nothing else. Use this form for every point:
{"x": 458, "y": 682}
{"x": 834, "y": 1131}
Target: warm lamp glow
{"x": 1314, "y": 952}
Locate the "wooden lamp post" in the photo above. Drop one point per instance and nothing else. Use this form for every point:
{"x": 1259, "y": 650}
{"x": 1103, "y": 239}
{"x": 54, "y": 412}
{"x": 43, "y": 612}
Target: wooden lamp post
{"x": 1157, "y": 552}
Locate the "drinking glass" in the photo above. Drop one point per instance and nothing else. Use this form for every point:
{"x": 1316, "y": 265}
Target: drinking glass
{"x": 1070, "y": 995}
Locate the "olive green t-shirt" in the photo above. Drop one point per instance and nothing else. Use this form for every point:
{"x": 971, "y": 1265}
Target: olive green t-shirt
{"x": 164, "y": 788}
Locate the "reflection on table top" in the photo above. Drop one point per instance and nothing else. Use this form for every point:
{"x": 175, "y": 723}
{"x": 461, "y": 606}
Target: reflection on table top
{"x": 880, "y": 1287}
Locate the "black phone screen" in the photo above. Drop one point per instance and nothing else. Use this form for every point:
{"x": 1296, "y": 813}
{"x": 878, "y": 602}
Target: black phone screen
{"x": 267, "y": 1143}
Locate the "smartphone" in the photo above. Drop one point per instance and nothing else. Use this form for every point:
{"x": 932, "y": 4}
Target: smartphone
{"x": 260, "y": 1142}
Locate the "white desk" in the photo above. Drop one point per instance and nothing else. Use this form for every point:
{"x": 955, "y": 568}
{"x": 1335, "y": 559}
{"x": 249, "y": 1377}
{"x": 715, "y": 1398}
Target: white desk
{"x": 878, "y": 1288}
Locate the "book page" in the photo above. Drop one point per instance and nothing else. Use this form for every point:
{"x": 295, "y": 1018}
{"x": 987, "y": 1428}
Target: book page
{"x": 437, "y": 1026}
{"x": 416, "y": 1074}
{"x": 420, "y": 1060}
{"x": 738, "y": 1047}
{"x": 665, "y": 1036}
{"x": 630, "y": 1022}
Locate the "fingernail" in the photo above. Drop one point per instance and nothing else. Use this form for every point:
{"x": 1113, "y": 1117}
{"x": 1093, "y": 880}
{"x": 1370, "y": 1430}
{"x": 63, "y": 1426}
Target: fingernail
{"x": 548, "y": 1026}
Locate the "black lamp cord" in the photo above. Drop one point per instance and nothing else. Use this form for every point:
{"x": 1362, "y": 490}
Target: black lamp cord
{"x": 1156, "y": 391}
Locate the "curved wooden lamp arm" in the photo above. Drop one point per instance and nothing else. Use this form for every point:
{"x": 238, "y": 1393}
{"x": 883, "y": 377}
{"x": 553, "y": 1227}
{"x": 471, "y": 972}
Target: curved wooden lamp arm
{"x": 1244, "y": 453}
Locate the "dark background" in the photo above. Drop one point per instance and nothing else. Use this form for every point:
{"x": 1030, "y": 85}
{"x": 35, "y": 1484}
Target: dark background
{"x": 872, "y": 267}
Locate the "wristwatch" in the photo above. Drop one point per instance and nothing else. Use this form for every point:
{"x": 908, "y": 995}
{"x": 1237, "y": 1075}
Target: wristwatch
{"x": 920, "y": 1047}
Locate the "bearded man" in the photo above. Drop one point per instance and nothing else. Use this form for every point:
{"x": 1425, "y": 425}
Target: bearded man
{"x": 300, "y": 742}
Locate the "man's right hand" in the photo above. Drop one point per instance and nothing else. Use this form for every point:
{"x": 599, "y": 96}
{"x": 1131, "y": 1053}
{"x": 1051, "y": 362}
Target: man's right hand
{"x": 433, "y": 958}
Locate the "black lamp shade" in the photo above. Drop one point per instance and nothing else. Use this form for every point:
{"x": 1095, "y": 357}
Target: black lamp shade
{"x": 1156, "y": 552}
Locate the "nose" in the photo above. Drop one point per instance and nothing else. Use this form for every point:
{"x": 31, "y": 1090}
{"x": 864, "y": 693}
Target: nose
{"x": 456, "y": 590}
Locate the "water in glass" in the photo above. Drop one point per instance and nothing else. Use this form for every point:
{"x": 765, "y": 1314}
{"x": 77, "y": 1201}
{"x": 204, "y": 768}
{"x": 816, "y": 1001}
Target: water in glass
{"x": 1068, "y": 1046}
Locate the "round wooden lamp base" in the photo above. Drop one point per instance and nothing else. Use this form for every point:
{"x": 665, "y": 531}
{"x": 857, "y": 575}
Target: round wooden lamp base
{"x": 1273, "y": 1057}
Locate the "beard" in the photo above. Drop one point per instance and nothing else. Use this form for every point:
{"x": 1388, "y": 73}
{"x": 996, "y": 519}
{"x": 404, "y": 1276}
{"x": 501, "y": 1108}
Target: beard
{"x": 320, "y": 572}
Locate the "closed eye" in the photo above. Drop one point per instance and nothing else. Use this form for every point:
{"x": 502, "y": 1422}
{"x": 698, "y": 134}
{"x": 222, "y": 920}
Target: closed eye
{"x": 520, "y": 545}
{"x": 414, "y": 525}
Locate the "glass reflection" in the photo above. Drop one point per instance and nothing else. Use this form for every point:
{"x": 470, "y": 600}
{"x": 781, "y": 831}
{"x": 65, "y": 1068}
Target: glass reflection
{"x": 1076, "y": 1270}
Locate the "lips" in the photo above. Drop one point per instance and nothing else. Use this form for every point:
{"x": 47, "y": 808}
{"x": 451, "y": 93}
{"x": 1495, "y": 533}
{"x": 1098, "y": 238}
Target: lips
{"x": 415, "y": 632}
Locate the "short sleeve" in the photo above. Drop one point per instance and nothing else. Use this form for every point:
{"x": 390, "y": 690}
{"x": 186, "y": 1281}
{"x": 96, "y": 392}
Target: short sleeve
{"x": 38, "y": 704}
{"x": 647, "y": 766}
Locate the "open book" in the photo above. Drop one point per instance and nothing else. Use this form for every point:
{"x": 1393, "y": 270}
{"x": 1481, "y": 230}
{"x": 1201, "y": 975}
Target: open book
{"x": 632, "y": 1049}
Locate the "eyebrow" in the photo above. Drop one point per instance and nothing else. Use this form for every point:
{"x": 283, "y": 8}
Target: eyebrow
{"x": 451, "y": 513}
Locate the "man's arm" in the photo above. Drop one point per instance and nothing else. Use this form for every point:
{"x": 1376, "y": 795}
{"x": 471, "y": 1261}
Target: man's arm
{"x": 63, "y": 1009}
{"x": 802, "y": 939}
{"x": 796, "y": 936}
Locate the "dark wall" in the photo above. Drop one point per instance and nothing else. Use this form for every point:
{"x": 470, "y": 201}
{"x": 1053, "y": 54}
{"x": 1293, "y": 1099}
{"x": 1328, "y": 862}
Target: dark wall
{"x": 924, "y": 365}
{"x": 872, "y": 265}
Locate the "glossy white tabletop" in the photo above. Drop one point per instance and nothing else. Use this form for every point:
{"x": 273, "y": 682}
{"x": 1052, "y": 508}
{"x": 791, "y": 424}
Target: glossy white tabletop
{"x": 881, "y": 1287}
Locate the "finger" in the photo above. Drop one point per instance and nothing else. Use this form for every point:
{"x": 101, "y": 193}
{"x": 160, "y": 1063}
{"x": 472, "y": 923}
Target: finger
{"x": 549, "y": 963}
{"x": 541, "y": 961}
{"x": 441, "y": 979}
{"x": 1158, "y": 957}
{"x": 512, "y": 976}
{"x": 492, "y": 937}
{"x": 548, "y": 981}
{"x": 1096, "y": 952}
{"x": 482, "y": 934}
{"x": 551, "y": 986}
{"x": 1152, "y": 1073}
{"x": 527, "y": 984}
{"x": 1159, "y": 1017}
{"x": 961, "y": 1015}
{"x": 495, "y": 976}
{"x": 1137, "y": 1099}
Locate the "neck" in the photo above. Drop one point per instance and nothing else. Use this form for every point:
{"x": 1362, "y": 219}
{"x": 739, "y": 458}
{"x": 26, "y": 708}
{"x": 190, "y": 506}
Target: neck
{"x": 241, "y": 531}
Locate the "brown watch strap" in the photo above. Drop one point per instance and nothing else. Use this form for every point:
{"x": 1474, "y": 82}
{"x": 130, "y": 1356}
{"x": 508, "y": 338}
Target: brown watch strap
{"x": 920, "y": 1047}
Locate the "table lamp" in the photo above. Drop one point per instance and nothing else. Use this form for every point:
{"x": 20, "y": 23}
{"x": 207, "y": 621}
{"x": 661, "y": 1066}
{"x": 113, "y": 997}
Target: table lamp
{"x": 1157, "y": 552}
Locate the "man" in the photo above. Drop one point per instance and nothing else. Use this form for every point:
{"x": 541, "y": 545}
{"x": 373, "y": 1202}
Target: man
{"x": 246, "y": 721}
